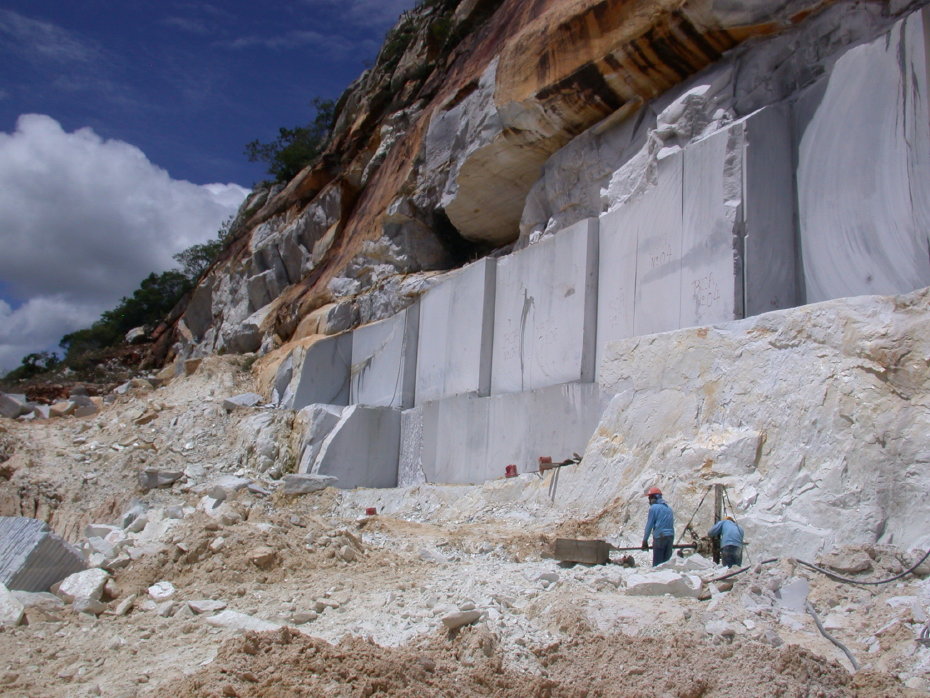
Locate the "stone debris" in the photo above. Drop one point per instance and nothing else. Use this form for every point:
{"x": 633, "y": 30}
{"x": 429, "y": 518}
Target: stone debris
{"x": 243, "y": 400}
{"x": 162, "y": 591}
{"x": 91, "y": 607}
{"x": 41, "y": 606}
{"x": 263, "y": 557}
{"x": 658, "y": 582}
{"x": 303, "y": 484}
{"x": 32, "y": 558}
{"x": 12, "y": 406}
{"x": 88, "y": 584}
{"x": 155, "y": 478}
{"x": 11, "y": 609}
{"x": 847, "y": 562}
{"x": 793, "y": 595}
{"x": 125, "y": 605}
{"x": 227, "y": 486}
{"x": 206, "y": 605}
{"x": 458, "y": 619}
{"x": 241, "y": 622}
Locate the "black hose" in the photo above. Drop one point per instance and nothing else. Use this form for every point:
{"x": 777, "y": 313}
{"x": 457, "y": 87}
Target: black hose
{"x": 847, "y": 580}
{"x": 831, "y": 575}
{"x": 740, "y": 571}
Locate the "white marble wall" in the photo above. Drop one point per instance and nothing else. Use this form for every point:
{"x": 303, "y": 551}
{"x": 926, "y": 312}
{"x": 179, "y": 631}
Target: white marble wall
{"x": 545, "y": 312}
{"x": 384, "y": 358}
{"x": 470, "y": 439}
{"x": 862, "y": 172}
{"x": 456, "y": 332}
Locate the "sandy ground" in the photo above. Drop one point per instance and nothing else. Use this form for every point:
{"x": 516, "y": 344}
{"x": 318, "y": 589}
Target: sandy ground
{"x": 358, "y": 601}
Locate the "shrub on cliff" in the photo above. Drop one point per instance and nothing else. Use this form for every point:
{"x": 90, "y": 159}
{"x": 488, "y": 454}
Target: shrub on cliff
{"x": 297, "y": 147}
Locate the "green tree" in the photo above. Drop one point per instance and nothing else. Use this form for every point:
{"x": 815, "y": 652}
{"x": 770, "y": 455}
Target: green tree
{"x": 34, "y": 364}
{"x": 196, "y": 259}
{"x": 148, "y": 304}
{"x": 297, "y": 147}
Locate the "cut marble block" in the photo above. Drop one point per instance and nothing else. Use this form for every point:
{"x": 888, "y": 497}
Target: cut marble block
{"x": 673, "y": 255}
{"x": 862, "y": 143}
{"x": 656, "y": 221}
{"x": 362, "y": 449}
{"x": 471, "y": 439}
{"x": 324, "y": 375}
{"x": 32, "y": 558}
{"x": 546, "y": 312}
{"x": 456, "y": 332}
{"x": 384, "y": 359}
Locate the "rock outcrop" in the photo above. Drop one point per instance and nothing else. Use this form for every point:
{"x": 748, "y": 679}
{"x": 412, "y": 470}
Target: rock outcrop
{"x": 486, "y": 123}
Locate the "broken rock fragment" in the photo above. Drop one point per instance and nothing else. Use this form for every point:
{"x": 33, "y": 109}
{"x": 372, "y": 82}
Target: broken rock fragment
{"x": 11, "y": 610}
{"x": 154, "y": 478}
{"x": 32, "y": 558}
{"x": 304, "y": 484}
{"x": 659, "y": 582}
{"x": 263, "y": 557}
{"x": 241, "y": 622}
{"x": 244, "y": 400}
{"x": 460, "y": 619}
{"x": 88, "y": 584}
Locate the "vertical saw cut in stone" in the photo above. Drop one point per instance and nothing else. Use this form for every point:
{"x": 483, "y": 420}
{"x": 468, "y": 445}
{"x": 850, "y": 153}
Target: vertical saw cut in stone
{"x": 324, "y": 375}
{"x": 384, "y": 359}
{"x": 770, "y": 271}
{"x": 362, "y": 449}
{"x": 32, "y": 557}
{"x": 456, "y": 333}
{"x": 546, "y": 312}
{"x": 863, "y": 167}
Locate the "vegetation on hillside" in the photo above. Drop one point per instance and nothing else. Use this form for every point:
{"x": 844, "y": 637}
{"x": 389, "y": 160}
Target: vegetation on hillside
{"x": 156, "y": 295}
{"x": 297, "y": 147}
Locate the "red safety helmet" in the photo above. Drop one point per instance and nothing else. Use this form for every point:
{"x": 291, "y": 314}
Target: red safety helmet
{"x": 653, "y": 491}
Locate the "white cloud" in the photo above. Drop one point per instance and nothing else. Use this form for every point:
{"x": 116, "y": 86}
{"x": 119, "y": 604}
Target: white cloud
{"x": 82, "y": 221}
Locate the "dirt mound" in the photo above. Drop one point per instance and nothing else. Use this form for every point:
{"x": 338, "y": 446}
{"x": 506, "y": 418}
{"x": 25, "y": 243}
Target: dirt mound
{"x": 470, "y": 663}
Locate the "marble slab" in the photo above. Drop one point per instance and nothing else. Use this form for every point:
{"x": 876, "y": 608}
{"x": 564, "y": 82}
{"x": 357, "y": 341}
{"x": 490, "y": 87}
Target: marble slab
{"x": 546, "y": 312}
{"x": 861, "y": 135}
{"x": 456, "y": 332}
{"x": 384, "y": 358}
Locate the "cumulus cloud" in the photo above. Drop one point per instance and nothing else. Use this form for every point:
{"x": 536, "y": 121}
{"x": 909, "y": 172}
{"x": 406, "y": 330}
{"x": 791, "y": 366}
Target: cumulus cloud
{"x": 82, "y": 221}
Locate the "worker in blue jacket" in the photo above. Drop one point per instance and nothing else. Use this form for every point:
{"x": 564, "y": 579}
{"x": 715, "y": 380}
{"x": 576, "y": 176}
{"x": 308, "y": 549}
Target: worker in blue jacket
{"x": 661, "y": 524}
{"x": 731, "y": 541}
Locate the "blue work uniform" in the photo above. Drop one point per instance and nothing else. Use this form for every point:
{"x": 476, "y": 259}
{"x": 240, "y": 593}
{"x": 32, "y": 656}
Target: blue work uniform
{"x": 731, "y": 542}
{"x": 661, "y": 524}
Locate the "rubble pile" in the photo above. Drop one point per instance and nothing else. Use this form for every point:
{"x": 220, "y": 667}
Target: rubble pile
{"x": 213, "y": 582}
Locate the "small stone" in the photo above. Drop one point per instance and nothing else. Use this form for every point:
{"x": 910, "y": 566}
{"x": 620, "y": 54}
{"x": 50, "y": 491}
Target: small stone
{"x": 125, "y": 605}
{"x": 459, "y": 619}
{"x": 91, "y": 607}
{"x": 154, "y": 478}
{"x": 206, "y": 605}
{"x": 162, "y": 591}
{"x": 302, "y": 617}
{"x": 88, "y": 584}
{"x": 11, "y": 610}
{"x": 263, "y": 557}
{"x": 347, "y": 553}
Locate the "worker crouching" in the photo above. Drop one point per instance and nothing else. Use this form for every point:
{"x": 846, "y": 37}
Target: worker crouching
{"x": 731, "y": 541}
{"x": 661, "y": 524}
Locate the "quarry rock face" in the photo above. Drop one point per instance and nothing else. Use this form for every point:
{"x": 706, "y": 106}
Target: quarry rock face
{"x": 645, "y": 192}
{"x": 526, "y": 120}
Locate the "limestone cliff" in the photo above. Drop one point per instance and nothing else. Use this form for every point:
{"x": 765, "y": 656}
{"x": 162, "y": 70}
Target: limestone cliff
{"x": 486, "y": 123}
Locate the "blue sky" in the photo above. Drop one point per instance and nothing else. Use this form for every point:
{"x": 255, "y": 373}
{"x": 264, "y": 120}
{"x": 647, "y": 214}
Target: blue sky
{"x": 122, "y": 127}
